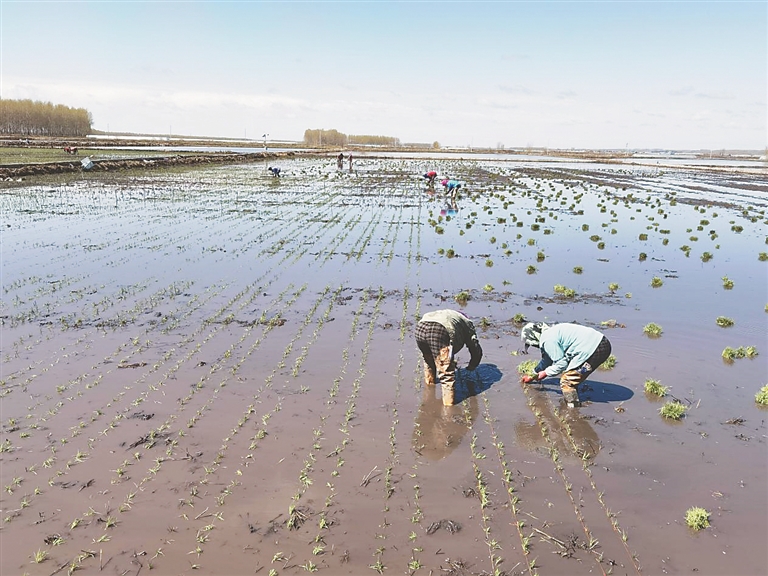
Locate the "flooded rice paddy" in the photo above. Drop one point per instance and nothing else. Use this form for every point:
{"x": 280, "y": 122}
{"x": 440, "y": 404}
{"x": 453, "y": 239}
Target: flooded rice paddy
{"x": 214, "y": 371}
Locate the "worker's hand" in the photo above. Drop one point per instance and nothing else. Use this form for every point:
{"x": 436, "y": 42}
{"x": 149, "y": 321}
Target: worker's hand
{"x": 527, "y": 379}
{"x": 541, "y": 375}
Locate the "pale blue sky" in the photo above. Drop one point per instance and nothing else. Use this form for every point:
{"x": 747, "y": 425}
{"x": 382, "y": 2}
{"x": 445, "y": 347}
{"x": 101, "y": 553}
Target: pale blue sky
{"x": 681, "y": 75}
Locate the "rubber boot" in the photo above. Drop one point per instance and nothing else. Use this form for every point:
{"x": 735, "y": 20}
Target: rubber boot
{"x": 448, "y": 394}
{"x": 446, "y": 372}
{"x": 571, "y": 397}
{"x": 429, "y": 375}
{"x": 569, "y": 383}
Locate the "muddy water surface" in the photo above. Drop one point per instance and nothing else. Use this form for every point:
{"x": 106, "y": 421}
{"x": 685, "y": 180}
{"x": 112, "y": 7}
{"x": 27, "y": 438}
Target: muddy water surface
{"x": 215, "y": 372}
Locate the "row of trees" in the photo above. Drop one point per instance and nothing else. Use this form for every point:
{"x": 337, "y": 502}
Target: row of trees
{"x": 319, "y": 138}
{"x": 34, "y": 118}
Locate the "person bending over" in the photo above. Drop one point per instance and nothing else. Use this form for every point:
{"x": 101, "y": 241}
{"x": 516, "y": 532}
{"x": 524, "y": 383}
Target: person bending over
{"x": 440, "y": 335}
{"x": 570, "y": 351}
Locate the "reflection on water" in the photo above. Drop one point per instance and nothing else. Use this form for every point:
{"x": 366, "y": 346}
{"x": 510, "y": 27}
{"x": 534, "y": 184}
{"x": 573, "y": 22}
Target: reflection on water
{"x": 439, "y": 429}
{"x": 584, "y": 437}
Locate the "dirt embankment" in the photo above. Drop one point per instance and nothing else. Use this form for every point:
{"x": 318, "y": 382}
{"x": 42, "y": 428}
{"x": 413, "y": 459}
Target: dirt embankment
{"x": 10, "y": 173}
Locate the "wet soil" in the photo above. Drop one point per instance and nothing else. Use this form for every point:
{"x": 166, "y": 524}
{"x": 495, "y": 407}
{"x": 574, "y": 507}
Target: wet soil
{"x": 213, "y": 371}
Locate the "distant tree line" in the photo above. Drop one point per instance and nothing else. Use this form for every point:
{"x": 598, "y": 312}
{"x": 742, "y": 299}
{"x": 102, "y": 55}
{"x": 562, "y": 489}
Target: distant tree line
{"x": 336, "y": 138}
{"x": 33, "y": 118}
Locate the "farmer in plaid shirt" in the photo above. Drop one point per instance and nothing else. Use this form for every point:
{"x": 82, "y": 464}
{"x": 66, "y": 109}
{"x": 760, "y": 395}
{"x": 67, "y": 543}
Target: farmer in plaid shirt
{"x": 439, "y": 336}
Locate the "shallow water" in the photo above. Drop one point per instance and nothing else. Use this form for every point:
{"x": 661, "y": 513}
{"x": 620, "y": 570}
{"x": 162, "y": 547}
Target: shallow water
{"x": 219, "y": 360}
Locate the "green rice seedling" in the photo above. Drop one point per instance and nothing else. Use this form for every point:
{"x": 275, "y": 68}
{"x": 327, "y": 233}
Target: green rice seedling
{"x": 643, "y": 236}
{"x": 518, "y": 318}
{"x": 697, "y": 518}
{"x": 527, "y": 367}
{"x": 488, "y": 288}
{"x": 540, "y": 257}
{"x": 724, "y": 321}
{"x": 609, "y": 363}
{"x": 762, "y": 396}
{"x": 462, "y": 297}
{"x": 654, "y": 388}
{"x": 673, "y": 410}
{"x": 441, "y": 251}
{"x": 652, "y": 329}
{"x": 450, "y": 253}
{"x": 39, "y": 556}
{"x": 642, "y": 256}
{"x": 763, "y": 256}
{"x": 750, "y": 352}
{"x": 564, "y": 290}
{"x": 727, "y": 283}
{"x": 613, "y": 286}
{"x": 706, "y": 257}
{"x": 531, "y": 269}
{"x": 578, "y": 269}
{"x": 489, "y": 263}
{"x": 656, "y": 282}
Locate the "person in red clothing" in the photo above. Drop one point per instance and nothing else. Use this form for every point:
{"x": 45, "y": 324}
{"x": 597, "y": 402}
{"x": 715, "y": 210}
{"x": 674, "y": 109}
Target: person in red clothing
{"x": 430, "y": 176}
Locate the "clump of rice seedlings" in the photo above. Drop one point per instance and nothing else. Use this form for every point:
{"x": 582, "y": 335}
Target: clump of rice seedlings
{"x": 609, "y": 363}
{"x": 441, "y": 251}
{"x": 730, "y": 354}
{"x": 585, "y": 227}
{"x": 488, "y": 288}
{"x": 706, "y": 257}
{"x": 531, "y": 269}
{"x": 643, "y": 236}
{"x": 652, "y": 329}
{"x": 439, "y": 229}
{"x": 727, "y": 283}
{"x": 578, "y": 269}
{"x": 600, "y": 245}
{"x": 642, "y": 256}
{"x": 724, "y": 321}
{"x": 613, "y": 286}
{"x": 450, "y": 253}
{"x": 565, "y": 291}
{"x": 462, "y": 297}
{"x": 762, "y": 396}
{"x": 527, "y": 367}
{"x": 493, "y": 239}
{"x": 489, "y": 263}
{"x": 595, "y": 238}
{"x": 654, "y": 388}
{"x": 484, "y": 322}
{"x": 673, "y": 410}
{"x": 656, "y": 282}
{"x": 540, "y": 256}
{"x": 763, "y": 256}
{"x": 697, "y": 518}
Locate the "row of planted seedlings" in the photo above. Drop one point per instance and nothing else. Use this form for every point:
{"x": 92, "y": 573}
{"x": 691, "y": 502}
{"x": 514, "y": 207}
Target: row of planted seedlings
{"x": 119, "y": 405}
{"x": 405, "y": 528}
{"x": 232, "y": 481}
{"x": 601, "y": 544}
{"x": 253, "y": 459}
{"x": 42, "y": 380}
{"x": 161, "y": 436}
{"x": 156, "y": 366}
{"x": 325, "y": 473}
{"x": 157, "y": 464}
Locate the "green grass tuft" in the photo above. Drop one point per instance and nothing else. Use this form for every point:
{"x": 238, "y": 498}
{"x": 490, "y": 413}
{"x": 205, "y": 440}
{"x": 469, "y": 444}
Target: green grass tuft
{"x": 655, "y": 388}
{"x": 652, "y": 329}
{"x": 724, "y": 321}
{"x": 762, "y": 396}
{"x": 697, "y": 518}
{"x": 673, "y": 410}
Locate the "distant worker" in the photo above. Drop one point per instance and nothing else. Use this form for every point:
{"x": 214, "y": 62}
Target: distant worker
{"x": 571, "y": 351}
{"x": 340, "y": 161}
{"x": 451, "y": 186}
{"x": 275, "y": 172}
{"x": 430, "y": 176}
{"x": 350, "y": 162}
{"x": 439, "y": 336}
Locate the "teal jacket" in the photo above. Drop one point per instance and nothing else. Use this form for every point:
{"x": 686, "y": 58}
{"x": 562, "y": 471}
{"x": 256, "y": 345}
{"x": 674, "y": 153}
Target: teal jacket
{"x": 566, "y": 346}
{"x": 462, "y": 333}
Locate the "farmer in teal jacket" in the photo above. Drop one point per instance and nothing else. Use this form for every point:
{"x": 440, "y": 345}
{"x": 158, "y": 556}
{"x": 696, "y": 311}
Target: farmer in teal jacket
{"x": 439, "y": 336}
{"x": 571, "y": 351}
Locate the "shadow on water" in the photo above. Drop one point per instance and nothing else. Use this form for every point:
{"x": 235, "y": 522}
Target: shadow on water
{"x": 474, "y": 382}
{"x": 591, "y": 391}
